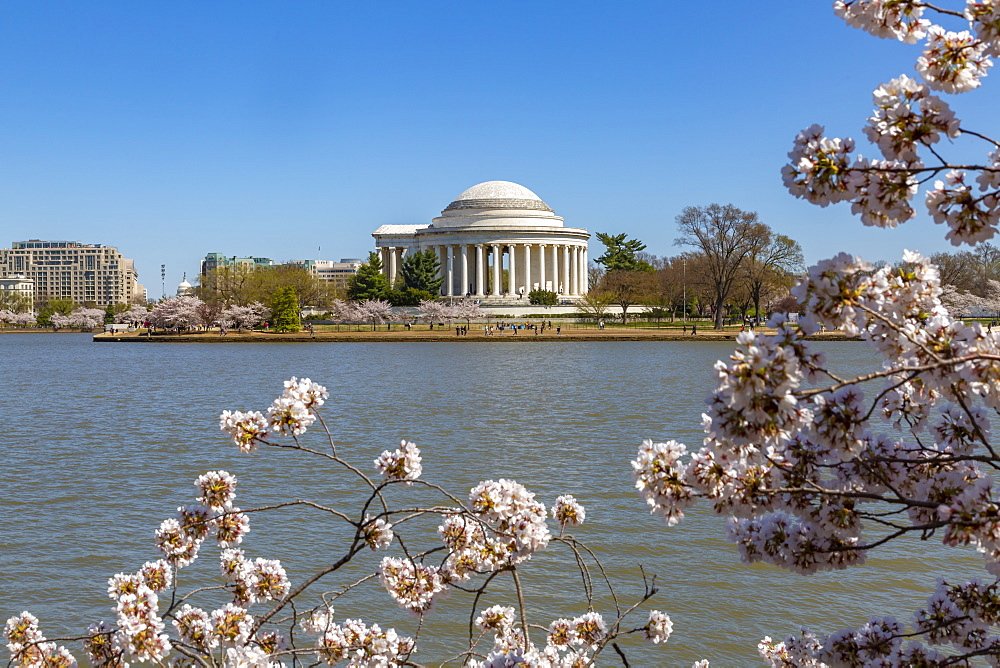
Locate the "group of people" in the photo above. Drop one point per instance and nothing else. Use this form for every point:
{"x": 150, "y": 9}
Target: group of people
{"x": 223, "y": 330}
{"x": 499, "y": 329}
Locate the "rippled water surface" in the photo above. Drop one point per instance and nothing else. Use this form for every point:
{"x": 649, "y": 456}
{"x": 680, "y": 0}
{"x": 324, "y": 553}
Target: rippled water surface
{"x": 100, "y": 442}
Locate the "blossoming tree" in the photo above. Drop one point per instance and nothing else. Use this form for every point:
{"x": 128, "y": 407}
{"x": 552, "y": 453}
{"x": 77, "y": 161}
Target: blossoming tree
{"x": 244, "y": 317}
{"x": 135, "y": 316}
{"x": 178, "y": 313}
{"x": 816, "y": 469}
{"x": 84, "y": 318}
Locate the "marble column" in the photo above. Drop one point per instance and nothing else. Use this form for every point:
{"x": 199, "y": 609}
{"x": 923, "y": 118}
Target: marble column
{"x": 480, "y": 286}
{"x": 392, "y": 265}
{"x": 581, "y": 271}
{"x": 555, "y": 268}
{"x": 541, "y": 267}
{"x": 497, "y": 263}
{"x": 511, "y": 272}
{"x": 565, "y": 270}
{"x": 449, "y": 272}
{"x": 527, "y": 268}
{"x": 463, "y": 249}
{"x": 574, "y": 272}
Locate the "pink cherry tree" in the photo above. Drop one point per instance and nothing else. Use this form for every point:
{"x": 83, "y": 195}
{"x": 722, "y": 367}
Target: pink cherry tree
{"x": 178, "y": 313}
{"x": 375, "y": 311}
{"x": 244, "y": 317}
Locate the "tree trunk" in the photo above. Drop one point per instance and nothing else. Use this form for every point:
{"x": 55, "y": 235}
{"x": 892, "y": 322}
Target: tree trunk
{"x": 719, "y": 303}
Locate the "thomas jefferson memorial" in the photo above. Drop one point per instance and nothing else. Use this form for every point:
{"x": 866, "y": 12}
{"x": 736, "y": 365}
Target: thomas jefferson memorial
{"x": 489, "y": 228}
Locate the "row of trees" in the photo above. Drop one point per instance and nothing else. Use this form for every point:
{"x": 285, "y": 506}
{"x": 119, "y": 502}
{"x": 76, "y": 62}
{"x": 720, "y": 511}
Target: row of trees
{"x": 735, "y": 260}
{"x": 16, "y": 318}
{"x": 60, "y": 313}
{"x": 242, "y": 286}
{"x": 188, "y": 312}
{"x": 380, "y": 311}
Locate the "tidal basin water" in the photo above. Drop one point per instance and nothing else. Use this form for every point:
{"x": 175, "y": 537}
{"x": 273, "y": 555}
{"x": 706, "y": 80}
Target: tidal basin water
{"x": 101, "y": 442}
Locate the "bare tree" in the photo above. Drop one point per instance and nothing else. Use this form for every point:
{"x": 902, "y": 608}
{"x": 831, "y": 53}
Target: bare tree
{"x": 242, "y": 285}
{"x": 987, "y": 267}
{"x": 627, "y": 288}
{"x": 726, "y": 236}
{"x": 595, "y": 303}
{"x": 957, "y": 269}
{"x": 595, "y": 274}
{"x": 669, "y": 285}
{"x": 772, "y": 267}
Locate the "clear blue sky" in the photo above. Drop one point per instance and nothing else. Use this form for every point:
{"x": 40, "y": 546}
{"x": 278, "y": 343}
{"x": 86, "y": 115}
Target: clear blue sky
{"x": 176, "y": 129}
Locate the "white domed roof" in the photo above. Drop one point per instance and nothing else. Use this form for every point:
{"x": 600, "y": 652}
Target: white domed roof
{"x": 184, "y": 288}
{"x": 498, "y": 195}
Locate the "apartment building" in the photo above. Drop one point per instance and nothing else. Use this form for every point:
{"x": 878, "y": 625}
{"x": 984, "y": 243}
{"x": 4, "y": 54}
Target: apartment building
{"x": 86, "y": 273}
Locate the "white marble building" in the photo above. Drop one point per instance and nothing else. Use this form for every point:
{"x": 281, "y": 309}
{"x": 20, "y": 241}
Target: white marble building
{"x": 491, "y": 227}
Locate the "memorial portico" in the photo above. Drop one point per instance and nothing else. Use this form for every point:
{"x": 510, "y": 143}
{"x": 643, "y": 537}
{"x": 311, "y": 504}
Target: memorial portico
{"x": 491, "y": 228}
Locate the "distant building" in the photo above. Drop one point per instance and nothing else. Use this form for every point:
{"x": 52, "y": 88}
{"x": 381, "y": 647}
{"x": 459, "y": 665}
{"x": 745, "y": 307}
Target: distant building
{"x": 86, "y": 273}
{"x": 330, "y": 271}
{"x": 325, "y": 270}
{"x": 17, "y": 288}
{"x": 215, "y": 261}
{"x": 497, "y": 241}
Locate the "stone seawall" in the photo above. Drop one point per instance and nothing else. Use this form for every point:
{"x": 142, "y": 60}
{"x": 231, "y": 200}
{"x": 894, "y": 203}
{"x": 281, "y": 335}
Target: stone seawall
{"x": 477, "y": 336}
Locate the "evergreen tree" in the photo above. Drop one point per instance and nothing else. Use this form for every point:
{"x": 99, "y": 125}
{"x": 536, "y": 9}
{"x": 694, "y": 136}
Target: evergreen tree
{"x": 621, "y": 253}
{"x": 409, "y": 297}
{"x": 285, "y": 311}
{"x": 369, "y": 282}
{"x": 421, "y": 271}
{"x": 543, "y": 297}
{"x": 112, "y": 310}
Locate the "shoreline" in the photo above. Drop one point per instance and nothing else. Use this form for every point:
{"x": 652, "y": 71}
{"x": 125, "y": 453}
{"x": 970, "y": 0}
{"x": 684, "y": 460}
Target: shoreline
{"x": 403, "y": 336}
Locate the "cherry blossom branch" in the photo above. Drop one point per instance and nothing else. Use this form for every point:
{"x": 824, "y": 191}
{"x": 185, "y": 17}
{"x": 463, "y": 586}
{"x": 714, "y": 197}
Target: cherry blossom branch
{"x": 520, "y": 605}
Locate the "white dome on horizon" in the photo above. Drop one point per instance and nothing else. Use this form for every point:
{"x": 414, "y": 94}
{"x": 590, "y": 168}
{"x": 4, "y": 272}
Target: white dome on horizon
{"x": 497, "y": 190}
{"x": 498, "y": 195}
{"x": 184, "y": 288}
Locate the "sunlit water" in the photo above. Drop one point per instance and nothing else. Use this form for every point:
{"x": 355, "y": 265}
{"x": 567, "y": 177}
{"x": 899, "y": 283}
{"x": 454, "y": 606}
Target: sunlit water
{"x": 100, "y": 442}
